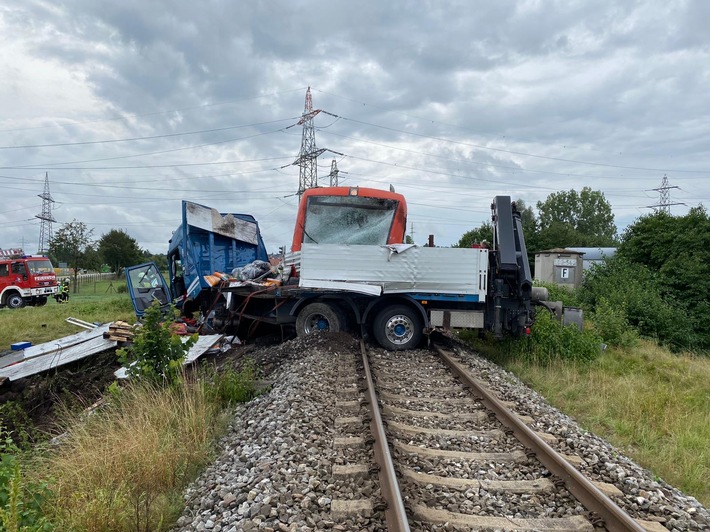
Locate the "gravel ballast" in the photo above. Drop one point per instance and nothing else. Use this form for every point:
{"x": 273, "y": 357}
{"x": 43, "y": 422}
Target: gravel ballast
{"x": 274, "y": 470}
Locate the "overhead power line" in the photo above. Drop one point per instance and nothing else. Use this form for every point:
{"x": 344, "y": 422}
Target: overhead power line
{"x": 155, "y": 113}
{"x": 151, "y": 137}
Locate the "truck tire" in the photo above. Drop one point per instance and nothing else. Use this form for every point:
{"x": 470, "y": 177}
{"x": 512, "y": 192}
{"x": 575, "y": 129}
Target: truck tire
{"x": 41, "y": 301}
{"x": 398, "y": 327}
{"x": 15, "y": 300}
{"x": 317, "y": 317}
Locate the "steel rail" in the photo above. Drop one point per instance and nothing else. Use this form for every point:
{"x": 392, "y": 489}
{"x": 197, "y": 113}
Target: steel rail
{"x": 615, "y": 519}
{"x": 395, "y": 514}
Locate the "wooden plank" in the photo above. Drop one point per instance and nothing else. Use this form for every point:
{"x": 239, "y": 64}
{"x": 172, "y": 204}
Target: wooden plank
{"x": 476, "y": 522}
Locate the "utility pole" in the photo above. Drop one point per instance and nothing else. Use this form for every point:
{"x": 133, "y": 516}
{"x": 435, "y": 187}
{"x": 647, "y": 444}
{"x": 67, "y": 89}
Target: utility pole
{"x": 308, "y": 157}
{"x": 45, "y": 228}
{"x": 664, "y": 200}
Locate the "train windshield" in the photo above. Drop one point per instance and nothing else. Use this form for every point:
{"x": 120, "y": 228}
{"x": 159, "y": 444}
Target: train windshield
{"x": 348, "y": 220}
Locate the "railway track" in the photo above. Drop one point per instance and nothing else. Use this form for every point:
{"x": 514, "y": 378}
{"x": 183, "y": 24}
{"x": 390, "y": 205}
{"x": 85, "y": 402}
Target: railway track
{"x": 449, "y": 454}
{"x": 303, "y": 458}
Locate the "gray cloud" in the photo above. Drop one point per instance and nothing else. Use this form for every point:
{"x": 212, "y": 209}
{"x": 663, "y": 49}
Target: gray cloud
{"x": 473, "y": 99}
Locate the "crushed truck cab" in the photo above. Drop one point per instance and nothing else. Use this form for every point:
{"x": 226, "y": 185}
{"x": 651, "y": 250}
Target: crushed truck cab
{"x": 206, "y": 242}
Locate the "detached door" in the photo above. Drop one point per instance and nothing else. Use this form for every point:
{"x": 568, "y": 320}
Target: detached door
{"x": 145, "y": 285}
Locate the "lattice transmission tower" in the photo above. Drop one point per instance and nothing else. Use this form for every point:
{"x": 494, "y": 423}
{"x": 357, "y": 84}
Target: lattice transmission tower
{"x": 664, "y": 200}
{"x": 45, "y": 228}
{"x": 308, "y": 157}
{"x": 334, "y": 173}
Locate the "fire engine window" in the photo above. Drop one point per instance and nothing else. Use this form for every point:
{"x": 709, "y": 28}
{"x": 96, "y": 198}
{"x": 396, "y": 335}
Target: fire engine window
{"x": 18, "y": 268}
{"x": 3, "y": 270}
{"x": 348, "y": 220}
{"x": 40, "y": 266}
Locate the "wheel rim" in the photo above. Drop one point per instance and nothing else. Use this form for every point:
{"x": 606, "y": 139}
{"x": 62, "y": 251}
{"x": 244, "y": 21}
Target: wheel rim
{"x": 317, "y": 322}
{"x": 399, "y": 329}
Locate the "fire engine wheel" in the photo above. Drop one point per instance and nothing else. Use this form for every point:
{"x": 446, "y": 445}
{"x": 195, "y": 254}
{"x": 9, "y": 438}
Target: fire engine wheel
{"x": 15, "y": 301}
{"x": 41, "y": 301}
{"x": 398, "y": 327}
{"x": 317, "y": 317}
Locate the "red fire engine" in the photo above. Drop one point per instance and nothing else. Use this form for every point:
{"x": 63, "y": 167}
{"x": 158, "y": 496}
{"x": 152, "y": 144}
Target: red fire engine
{"x": 25, "y": 279}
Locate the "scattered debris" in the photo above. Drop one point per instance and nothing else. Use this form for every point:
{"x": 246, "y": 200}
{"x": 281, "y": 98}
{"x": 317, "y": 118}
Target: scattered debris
{"x": 19, "y": 346}
{"x": 50, "y": 355}
{"x": 81, "y": 323}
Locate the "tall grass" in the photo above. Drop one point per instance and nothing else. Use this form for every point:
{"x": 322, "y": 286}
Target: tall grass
{"x": 652, "y": 404}
{"x": 123, "y": 468}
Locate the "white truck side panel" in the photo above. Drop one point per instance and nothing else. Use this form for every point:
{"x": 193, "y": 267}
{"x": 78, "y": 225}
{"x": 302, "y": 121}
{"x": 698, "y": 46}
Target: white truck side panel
{"x": 414, "y": 269}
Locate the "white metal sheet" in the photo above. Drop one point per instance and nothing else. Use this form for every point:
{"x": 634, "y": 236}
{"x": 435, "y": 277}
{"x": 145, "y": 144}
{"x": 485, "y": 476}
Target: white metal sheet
{"x": 60, "y": 357}
{"x": 361, "y": 288}
{"x": 211, "y": 220}
{"x": 418, "y": 269}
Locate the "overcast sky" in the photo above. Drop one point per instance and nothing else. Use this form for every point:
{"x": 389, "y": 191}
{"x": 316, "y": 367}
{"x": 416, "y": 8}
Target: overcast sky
{"x": 133, "y": 106}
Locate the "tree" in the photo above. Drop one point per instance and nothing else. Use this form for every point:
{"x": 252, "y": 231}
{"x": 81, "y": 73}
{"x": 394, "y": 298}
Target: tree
{"x": 569, "y": 218}
{"x": 485, "y": 231}
{"x": 476, "y": 236}
{"x": 160, "y": 259}
{"x": 72, "y": 244}
{"x": 119, "y": 250}
{"x": 677, "y": 250}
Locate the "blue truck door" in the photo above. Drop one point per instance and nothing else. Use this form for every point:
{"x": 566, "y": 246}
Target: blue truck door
{"x": 145, "y": 285}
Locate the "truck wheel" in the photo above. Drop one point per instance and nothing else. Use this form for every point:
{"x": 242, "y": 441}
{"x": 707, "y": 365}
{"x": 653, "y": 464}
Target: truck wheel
{"x": 41, "y": 301}
{"x": 320, "y": 317}
{"x": 15, "y": 301}
{"x": 398, "y": 327}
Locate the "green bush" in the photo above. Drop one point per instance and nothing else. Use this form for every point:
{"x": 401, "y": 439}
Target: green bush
{"x": 156, "y": 354}
{"x": 635, "y": 292}
{"x": 611, "y": 324}
{"x": 20, "y": 501}
{"x": 550, "y": 340}
{"x": 17, "y": 424}
{"x": 230, "y": 386}
{"x": 569, "y": 297}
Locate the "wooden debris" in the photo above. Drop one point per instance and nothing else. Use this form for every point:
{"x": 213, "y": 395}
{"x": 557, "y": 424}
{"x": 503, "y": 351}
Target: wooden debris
{"x": 119, "y": 331}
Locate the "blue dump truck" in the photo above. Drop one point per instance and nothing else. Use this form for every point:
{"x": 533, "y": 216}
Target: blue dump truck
{"x": 206, "y": 242}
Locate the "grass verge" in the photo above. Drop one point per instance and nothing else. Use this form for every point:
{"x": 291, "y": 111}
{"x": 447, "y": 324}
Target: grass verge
{"x": 651, "y": 404}
{"x": 124, "y": 468}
